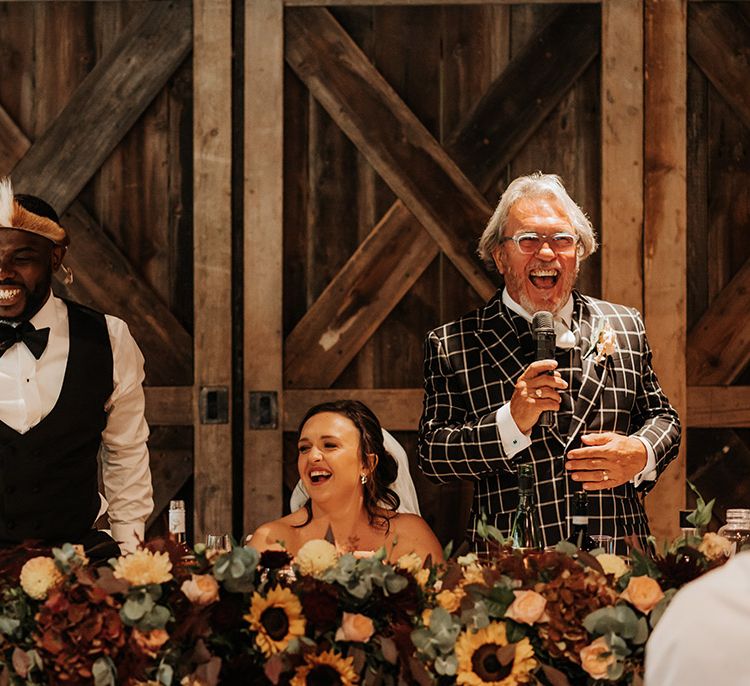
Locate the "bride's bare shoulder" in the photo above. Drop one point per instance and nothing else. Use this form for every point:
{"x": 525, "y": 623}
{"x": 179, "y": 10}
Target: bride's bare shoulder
{"x": 415, "y": 535}
{"x": 278, "y": 534}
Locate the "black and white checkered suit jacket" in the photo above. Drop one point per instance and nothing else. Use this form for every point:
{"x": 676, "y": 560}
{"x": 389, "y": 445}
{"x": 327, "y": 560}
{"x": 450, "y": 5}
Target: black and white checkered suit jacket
{"x": 471, "y": 367}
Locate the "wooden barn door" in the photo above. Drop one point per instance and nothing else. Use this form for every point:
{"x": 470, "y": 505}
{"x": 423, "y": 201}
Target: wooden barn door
{"x": 400, "y": 125}
{"x": 96, "y": 117}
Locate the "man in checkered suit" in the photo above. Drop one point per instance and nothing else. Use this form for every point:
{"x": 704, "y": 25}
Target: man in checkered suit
{"x": 614, "y": 430}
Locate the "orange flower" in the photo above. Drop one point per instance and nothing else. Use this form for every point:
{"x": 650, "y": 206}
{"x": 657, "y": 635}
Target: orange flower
{"x": 150, "y": 641}
{"x": 450, "y": 600}
{"x": 355, "y": 627}
{"x": 596, "y": 658}
{"x": 201, "y": 589}
{"x": 527, "y": 608}
{"x": 643, "y": 593}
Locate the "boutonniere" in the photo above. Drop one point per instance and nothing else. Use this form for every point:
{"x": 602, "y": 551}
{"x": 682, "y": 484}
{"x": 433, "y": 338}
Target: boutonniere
{"x": 603, "y": 341}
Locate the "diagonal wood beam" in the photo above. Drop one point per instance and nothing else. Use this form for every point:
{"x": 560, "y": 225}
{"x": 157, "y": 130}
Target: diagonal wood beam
{"x": 105, "y": 279}
{"x": 717, "y": 41}
{"x": 389, "y": 135}
{"x": 718, "y": 349}
{"x": 354, "y": 304}
{"x": 107, "y": 103}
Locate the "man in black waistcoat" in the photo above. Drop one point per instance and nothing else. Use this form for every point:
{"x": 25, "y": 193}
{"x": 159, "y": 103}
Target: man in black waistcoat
{"x": 614, "y": 430}
{"x": 70, "y": 391}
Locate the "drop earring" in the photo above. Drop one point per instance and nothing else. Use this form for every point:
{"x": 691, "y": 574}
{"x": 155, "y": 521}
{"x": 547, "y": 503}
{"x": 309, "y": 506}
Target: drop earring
{"x": 363, "y": 478}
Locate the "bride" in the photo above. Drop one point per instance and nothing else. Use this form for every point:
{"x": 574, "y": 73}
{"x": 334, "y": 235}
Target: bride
{"x": 346, "y": 471}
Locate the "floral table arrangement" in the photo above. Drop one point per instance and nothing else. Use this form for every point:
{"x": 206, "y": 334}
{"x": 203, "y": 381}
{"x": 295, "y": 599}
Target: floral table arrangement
{"x": 325, "y": 617}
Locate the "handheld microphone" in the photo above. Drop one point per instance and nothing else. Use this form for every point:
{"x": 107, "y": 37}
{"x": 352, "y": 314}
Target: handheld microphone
{"x": 543, "y": 333}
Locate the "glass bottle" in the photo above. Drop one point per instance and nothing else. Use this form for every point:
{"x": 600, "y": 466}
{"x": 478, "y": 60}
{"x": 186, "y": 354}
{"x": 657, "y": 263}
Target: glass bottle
{"x": 737, "y": 528}
{"x": 525, "y": 533}
{"x": 177, "y": 521}
{"x": 579, "y": 535}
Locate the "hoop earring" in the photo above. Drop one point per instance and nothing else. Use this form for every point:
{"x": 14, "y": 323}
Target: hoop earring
{"x": 363, "y": 478}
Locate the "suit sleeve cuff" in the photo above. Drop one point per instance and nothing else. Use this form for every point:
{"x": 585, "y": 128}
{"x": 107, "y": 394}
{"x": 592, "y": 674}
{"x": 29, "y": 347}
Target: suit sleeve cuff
{"x": 648, "y": 473}
{"x": 510, "y": 435}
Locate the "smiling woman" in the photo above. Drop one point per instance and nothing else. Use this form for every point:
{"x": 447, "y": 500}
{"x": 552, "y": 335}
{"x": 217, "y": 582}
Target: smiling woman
{"x": 346, "y": 470}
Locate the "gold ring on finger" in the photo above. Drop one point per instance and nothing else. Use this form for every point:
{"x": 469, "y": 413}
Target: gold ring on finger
{"x": 605, "y": 477}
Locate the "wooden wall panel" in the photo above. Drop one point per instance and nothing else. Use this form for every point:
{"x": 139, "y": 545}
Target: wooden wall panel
{"x": 263, "y": 251}
{"x": 665, "y": 228}
{"x": 621, "y": 231}
{"x": 212, "y": 151}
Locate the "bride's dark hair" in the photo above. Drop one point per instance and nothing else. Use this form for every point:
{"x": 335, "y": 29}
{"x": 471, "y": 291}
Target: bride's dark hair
{"x": 380, "y": 501}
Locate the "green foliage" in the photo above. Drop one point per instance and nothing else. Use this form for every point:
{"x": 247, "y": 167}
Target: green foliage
{"x": 701, "y": 515}
{"x": 236, "y": 569}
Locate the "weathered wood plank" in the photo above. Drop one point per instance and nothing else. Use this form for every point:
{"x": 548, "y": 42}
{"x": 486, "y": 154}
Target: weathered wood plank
{"x": 622, "y": 151}
{"x": 398, "y": 409}
{"x": 212, "y": 240}
{"x": 263, "y": 220}
{"x": 105, "y": 280}
{"x": 718, "y": 407}
{"x": 527, "y": 91}
{"x": 718, "y": 42}
{"x": 394, "y": 141}
{"x": 719, "y": 345}
{"x": 106, "y": 104}
{"x": 306, "y": 362}
{"x": 665, "y": 228}
{"x": 169, "y": 405}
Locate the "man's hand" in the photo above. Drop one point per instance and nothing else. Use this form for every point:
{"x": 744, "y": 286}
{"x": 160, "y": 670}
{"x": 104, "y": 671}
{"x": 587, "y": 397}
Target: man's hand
{"x": 536, "y": 391}
{"x": 607, "y": 460}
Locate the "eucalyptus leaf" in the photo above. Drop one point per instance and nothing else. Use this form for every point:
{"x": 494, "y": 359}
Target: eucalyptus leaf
{"x": 8, "y": 625}
{"x": 701, "y": 515}
{"x": 157, "y": 618}
{"x": 104, "y": 673}
{"x": 165, "y": 674}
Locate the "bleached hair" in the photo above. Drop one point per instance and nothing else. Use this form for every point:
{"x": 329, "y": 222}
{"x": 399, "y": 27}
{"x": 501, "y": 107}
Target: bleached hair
{"x": 536, "y": 185}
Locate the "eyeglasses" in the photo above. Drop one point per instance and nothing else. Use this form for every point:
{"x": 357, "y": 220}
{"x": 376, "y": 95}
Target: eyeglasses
{"x": 530, "y": 243}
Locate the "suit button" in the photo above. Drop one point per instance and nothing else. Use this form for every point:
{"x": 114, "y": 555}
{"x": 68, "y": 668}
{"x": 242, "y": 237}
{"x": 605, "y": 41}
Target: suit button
{"x": 10, "y": 490}
{"x": 35, "y": 489}
{"x": 10, "y": 525}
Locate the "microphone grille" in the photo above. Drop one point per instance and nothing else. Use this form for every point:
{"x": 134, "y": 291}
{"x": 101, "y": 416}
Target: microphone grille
{"x": 543, "y": 321}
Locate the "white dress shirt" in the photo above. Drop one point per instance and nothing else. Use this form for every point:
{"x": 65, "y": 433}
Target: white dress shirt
{"x": 513, "y": 440}
{"x": 29, "y": 389}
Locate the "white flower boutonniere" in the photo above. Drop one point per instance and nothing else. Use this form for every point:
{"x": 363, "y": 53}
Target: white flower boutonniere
{"x": 604, "y": 342}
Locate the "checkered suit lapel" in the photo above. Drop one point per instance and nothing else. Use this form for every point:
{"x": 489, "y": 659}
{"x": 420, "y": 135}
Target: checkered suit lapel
{"x": 594, "y": 375}
{"x": 500, "y": 341}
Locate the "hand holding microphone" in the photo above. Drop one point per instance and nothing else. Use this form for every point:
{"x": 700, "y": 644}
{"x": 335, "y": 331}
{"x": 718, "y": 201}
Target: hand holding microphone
{"x": 537, "y": 392}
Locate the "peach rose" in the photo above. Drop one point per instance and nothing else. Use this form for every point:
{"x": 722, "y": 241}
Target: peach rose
{"x": 527, "y": 608}
{"x": 150, "y": 641}
{"x": 596, "y": 658}
{"x": 355, "y": 627}
{"x": 714, "y": 546}
{"x": 201, "y": 589}
{"x": 643, "y": 593}
{"x": 450, "y": 600}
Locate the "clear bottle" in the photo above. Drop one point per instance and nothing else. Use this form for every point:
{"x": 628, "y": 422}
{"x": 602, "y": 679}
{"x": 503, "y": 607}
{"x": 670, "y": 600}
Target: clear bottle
{"x": 737, "y": 528}
{"x": 177, "y": 521}
{"x": 525, "y": 534}
{"x": 579, "y": 535}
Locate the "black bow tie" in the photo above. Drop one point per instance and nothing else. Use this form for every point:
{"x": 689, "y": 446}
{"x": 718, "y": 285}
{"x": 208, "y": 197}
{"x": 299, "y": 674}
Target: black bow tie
{"x": 35, "y": 340}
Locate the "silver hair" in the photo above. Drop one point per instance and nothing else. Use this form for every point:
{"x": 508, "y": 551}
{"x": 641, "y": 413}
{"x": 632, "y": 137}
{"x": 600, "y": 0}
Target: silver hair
{"x": 536, "y": 185}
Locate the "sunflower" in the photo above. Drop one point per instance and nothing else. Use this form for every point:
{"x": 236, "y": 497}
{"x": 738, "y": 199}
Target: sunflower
{"x": 277, "y": 619}
{"x": 480, "y": 664}
{"x": 326, "y": 669}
